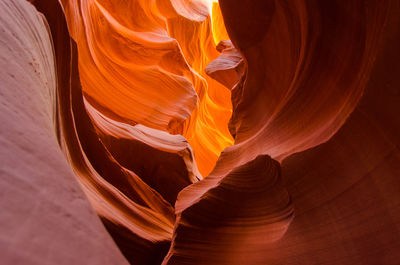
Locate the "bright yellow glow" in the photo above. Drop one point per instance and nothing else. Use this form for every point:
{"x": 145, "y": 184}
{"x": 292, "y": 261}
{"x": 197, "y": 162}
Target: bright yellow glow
{"x": 218, "y": 26}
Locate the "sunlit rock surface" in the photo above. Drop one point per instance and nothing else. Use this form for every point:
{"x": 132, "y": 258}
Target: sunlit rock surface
{"x": 143, "y": 62}
{"x": 301, "y": 97}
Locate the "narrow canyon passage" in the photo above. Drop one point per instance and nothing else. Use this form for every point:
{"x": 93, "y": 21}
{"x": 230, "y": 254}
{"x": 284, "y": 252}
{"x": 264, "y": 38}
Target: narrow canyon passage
{"x": 173, "y": 132}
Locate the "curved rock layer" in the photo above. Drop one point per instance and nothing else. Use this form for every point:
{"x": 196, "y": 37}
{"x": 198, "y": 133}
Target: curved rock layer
{"x": 307, "y": 66}
{"x": 247, "y": 210}
{"x": 143, "y": 62}
{"x": 159, "y": 90}
{"x": 45, "y": 217}
{"x": 137, "y": 216}
{"x": 308, "y": 63}
{"x": 346, "y": 192}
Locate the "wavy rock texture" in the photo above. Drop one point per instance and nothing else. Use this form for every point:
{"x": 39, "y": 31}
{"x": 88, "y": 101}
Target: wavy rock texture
{"x": 164, "y": 161}
{"x": 300, "y": 86}
{"x": 346, "y": 191}
{"x": 142, "y": 96}
{"x": 137, "y": 216}
{"x": 234, "y": 221}
{"x": 143, "y": 62}
{"x": 229, "y": 67}
{"x": 45, "y": 217}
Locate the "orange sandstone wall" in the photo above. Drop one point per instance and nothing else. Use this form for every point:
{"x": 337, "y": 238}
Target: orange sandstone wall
{"x": 258, "y": 132}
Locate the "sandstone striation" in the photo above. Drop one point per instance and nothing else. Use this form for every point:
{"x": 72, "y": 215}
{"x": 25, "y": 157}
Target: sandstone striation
{"x": 200, "y": 132}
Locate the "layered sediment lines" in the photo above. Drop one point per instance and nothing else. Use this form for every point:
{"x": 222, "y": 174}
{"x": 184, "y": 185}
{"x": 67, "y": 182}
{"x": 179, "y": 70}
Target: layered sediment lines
{"x": 307, "y": 66}
{"x": 46, "y": 219}
{"x": 346, "y": 191}
{"x": 263, "y": 132}
{"x": 245, "y": 211}
{"x": 143, "y": 62}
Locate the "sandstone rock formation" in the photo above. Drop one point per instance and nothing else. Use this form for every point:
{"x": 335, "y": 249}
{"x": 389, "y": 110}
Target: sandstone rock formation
{"x": 45, "y": 217}
{"x": 201, "y": 132}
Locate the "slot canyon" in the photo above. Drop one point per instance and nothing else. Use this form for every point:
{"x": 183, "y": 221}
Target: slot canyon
{"x": 202, "y": 132}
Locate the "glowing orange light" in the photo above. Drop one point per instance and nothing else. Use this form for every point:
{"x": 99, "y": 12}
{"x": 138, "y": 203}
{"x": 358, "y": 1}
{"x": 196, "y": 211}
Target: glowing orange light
{"x": 143, "y": 62}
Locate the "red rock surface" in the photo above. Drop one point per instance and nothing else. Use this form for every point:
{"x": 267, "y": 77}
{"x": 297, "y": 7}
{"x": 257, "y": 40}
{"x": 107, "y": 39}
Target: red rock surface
{"x": 261, "y": 132}
{"x": 229, "y": 67}
{"x": 45, "y": 217}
